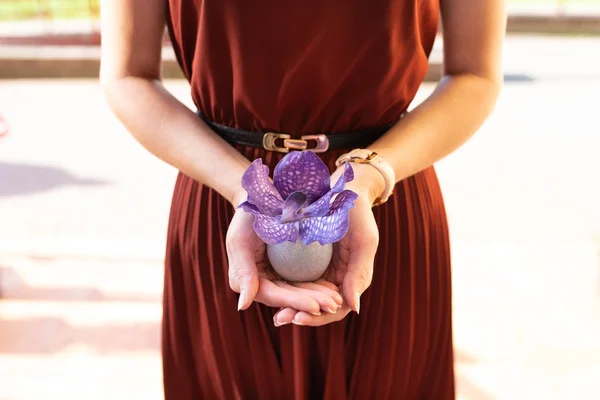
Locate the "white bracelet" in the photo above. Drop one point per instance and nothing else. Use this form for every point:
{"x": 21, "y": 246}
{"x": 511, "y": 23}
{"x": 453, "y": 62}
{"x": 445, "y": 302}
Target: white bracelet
{"x": 364, "y": 156}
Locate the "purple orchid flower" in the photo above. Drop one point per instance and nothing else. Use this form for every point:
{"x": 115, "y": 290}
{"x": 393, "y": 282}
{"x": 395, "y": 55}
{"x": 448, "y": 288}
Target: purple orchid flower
{"x": 298, "y": 203}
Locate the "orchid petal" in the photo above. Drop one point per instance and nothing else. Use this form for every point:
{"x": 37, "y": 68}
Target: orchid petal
{"x": 261, "y": 191}
{"x": 333, "y": 226}
{"x": 320, "y": 207}
{"x": 291, "y": 206}
{"x": 269, "y": 228}
{"x": 301, "y": 171}
{"x": 343, "y": 202}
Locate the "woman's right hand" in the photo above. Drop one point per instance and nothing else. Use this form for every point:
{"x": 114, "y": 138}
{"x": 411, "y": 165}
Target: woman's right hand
{"x": 252, "y": 277}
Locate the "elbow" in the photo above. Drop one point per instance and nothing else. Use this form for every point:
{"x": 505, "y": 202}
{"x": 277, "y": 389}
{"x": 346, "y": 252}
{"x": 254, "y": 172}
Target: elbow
{"x": 483, "y": 89}
{"x": 488, "y": 78}
{"x": 117, "y": 82}
{"x": 494, "y": 86}
{"x": 108, "y": 74}
{"x": 116, "y": 86}
{"x": 476, "y": 77}
{"x": 109, "y": 86}
{"x": 110, "y": 83}
{"x": 495, "y": 83}
{"x": 118, "y": 89}
{"x": 118, "y": 92}
{"x": 114, "y": 94}
{"x": 490, "y": 84}
{"x": 127, "y": 96}
{"x": 490, "y": 88}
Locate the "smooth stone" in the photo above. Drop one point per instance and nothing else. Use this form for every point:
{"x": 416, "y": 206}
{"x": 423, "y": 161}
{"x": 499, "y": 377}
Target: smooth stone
{"x": 296, "y": 262}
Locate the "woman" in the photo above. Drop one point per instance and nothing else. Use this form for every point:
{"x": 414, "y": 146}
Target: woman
{"x": 296, "y": 67}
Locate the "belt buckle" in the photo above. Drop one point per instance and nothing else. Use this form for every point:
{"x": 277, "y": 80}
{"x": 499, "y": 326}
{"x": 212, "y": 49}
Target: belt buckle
{"x": 270, "y": 142}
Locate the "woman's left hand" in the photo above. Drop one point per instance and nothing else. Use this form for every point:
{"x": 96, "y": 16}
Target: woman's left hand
{"x": 351, "y": 267}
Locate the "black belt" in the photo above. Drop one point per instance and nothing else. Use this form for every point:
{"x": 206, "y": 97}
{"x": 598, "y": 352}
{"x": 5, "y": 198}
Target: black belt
{"x": 283, "y": 143}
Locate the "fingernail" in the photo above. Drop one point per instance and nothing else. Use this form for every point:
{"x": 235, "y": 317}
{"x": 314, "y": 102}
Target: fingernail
{"x": 242, "y": 300}
{"x": 316, "y": 313}
{"x": 277, "y": 322}
{"x": 357, "y": 301}
{"x": 332, "y": 310}
{"x": 297, "y": 322}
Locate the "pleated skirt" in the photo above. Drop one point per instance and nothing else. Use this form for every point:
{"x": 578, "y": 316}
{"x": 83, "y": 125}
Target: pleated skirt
{"x": 399, "y": 347}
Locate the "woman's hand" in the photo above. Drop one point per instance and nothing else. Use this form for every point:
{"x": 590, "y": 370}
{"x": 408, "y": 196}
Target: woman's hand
{"x": 251, "y": 276}
{"x": 353, "y": 256}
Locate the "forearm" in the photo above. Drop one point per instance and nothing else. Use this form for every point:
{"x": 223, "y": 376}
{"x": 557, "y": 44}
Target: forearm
{"x": 440, "y": 125}
{"x": 437, "y": 127}
{"x": 174, "y": 134}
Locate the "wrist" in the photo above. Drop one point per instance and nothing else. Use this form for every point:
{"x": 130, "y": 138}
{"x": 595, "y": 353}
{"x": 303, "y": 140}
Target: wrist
{"x": 368, "y": 182}
{"x": 238, "y": 197}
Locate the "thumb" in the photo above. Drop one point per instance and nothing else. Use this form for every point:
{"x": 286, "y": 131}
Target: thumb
{"x": 248, "y": 290}
{"x": 243, "y": 277}
{"x": 359, "y": 274}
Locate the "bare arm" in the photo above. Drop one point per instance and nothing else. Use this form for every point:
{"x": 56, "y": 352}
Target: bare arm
{"x": 132, "y": 32}
{"x": 473, "y": 34}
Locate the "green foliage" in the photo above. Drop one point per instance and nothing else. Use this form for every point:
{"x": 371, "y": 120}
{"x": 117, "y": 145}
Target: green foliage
{"x": 48, "y": 9}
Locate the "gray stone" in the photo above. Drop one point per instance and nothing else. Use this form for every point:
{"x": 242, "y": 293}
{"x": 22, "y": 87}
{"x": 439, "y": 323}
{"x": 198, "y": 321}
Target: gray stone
{"x": 296, "y": 262}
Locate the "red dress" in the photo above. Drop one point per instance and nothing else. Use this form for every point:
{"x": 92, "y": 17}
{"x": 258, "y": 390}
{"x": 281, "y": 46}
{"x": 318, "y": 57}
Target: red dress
{"x": 307, "y": 66}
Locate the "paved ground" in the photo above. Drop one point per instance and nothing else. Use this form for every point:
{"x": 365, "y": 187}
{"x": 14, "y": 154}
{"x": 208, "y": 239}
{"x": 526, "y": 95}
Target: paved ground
{"x": 83, "y": 211}
{"x": 526, "y": 55}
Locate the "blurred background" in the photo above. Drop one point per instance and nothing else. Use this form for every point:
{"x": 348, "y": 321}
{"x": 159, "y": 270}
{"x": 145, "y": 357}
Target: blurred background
{"x": 83, "y": 213}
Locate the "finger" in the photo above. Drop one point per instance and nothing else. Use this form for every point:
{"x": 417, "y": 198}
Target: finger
{"x": 284, "y": 316}
{"x": 359, "y": 273}
{"x": 325, "y": 289}
{"x": 329, "y": 284}
{"x": 243, "y": 276}
{"x": 274, "y": 296}
{"x": 326, "y": 302}
{"x": 305, "y": 319}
